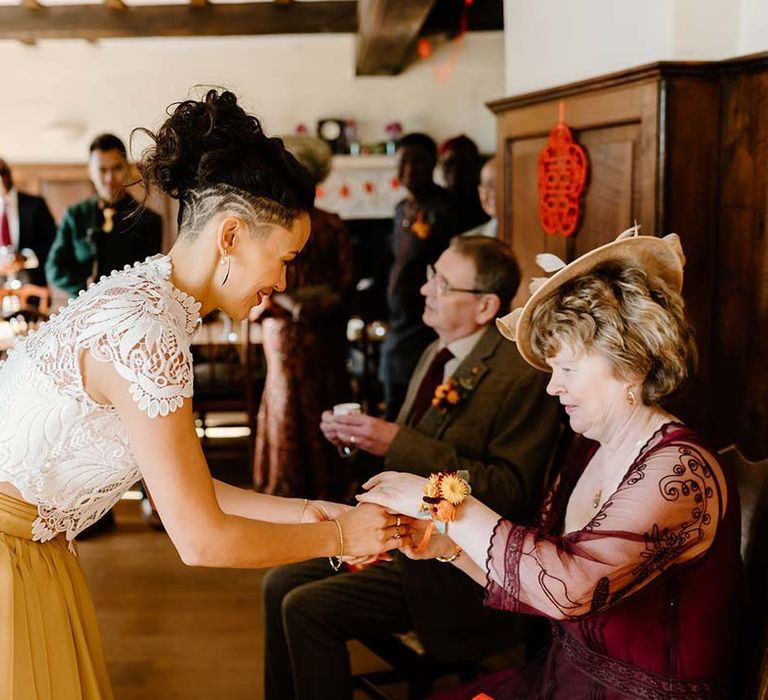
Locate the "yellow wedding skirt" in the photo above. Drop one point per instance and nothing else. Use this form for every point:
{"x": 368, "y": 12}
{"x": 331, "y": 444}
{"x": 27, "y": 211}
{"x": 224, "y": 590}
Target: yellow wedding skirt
{"x": 50, "y": 645}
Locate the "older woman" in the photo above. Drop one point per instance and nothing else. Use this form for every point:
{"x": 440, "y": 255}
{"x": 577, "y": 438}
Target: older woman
{"x": 636, "y": 557}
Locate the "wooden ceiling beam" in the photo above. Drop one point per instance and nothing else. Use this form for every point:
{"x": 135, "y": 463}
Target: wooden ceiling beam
{"x": 99, "y": 21}
{"x": 387, "y": 32}
{"x": 31, "y": 5}
{"x": 115, "y": 4}
{"x": 199, "y": 3}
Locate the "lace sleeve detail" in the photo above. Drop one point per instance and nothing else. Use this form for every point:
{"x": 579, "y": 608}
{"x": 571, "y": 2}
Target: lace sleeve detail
{"x": 143, "y": 326}
{"x": 665, "y": 512}
{"x": 503, "y": 564}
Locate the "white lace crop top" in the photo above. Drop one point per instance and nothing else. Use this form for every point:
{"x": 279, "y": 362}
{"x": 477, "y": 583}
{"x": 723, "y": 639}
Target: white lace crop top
{"x": 64, "y": 452}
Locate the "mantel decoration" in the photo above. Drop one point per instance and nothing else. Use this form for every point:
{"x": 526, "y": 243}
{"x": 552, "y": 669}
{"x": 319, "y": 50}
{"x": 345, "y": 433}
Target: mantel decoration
{"x": 562, "y": 174}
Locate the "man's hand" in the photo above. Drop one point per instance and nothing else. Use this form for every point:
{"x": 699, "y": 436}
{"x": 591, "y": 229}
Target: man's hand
{"x": 373, "y": 435}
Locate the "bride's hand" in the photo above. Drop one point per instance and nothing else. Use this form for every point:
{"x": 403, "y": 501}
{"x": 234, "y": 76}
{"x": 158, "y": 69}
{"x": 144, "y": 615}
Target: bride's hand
{"x": 398, "y": 492}
{"x": 319, "y": 511}
{"x": 369, "y": 530}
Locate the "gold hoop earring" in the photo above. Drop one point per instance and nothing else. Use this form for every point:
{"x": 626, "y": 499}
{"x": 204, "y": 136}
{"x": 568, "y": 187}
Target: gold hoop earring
{"x": 631, "y": 397}
{"x": 225, "y": 260}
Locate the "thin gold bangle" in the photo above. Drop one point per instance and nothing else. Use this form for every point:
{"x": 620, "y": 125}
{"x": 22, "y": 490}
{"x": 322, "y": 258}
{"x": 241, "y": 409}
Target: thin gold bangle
{"x": 336, "y": 561}
{"x": 453, "y": 557}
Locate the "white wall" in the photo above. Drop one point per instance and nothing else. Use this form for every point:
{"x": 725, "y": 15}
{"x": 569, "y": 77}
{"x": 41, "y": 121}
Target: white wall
{"x": 560, "y": 41}
{"x": 64, "y": 92}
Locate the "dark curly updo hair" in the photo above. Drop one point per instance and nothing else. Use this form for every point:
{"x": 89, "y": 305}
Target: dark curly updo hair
{"x": 210, "y": 155}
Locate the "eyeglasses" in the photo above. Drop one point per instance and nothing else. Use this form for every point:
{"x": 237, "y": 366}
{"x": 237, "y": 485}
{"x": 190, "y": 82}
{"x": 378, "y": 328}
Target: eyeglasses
{"x": 443, "y": 286}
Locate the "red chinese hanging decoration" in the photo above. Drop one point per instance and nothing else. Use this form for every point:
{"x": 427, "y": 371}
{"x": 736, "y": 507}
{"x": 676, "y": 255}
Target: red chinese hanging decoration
{"x": 562, "y": 174}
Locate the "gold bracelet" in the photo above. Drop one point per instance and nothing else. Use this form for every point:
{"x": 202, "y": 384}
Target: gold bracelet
{"x": 303, "y": 510}
{"x": 453, "y": 557}
{"x": 336, "y": 561}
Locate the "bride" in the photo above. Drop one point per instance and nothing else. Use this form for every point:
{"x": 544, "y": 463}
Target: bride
{"x": 100, "y": 396}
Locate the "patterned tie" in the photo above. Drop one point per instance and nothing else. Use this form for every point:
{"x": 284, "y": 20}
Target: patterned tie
{"x": 432, "y": 379}
{"x": 5, "y": 228}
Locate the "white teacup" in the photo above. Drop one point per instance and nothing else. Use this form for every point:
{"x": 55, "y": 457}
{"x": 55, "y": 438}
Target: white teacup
{"x": 347, "y": 409}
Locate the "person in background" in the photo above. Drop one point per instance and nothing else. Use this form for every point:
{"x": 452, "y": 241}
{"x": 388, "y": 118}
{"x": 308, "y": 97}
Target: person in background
{"x": 487, "y": 191}
{"x": 304, "y": 332}
{"x": 424, "y": 224}
{"x": 105, "y": 232}
{"x": 501, "y": 429}
{"x": 635, "y": 558}
{"x": 25, "y": 224}
{"x": 460, "y": 166}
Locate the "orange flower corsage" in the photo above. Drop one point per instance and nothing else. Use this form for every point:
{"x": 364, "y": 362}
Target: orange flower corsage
{"x": 444, "y": 492}
{"x": 453, "y": 391}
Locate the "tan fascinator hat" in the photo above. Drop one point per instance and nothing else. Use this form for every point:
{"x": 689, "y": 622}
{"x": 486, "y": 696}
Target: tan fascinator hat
{"x": 661, "y": 257}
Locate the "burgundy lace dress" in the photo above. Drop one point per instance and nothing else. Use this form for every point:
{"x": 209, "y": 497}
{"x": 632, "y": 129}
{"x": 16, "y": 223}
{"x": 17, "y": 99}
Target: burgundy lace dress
{"x": 645, "y": 599}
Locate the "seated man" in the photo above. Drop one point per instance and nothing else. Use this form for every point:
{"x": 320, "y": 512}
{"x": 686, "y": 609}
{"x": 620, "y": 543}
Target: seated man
{"x": 501, "y": 428}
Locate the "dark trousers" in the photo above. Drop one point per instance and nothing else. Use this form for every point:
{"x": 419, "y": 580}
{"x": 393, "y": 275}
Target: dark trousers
{"x": 309, "y": 614}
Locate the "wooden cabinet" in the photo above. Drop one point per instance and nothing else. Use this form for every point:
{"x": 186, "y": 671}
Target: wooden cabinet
{"x": 679, "y": 147}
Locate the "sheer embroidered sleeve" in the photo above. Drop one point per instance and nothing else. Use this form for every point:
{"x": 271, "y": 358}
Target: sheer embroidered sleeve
{"x": 665, "y": 512}
{"x": 145, "y": 330}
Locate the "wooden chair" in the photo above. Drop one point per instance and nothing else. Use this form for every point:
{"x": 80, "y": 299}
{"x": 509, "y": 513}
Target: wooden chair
{"x": 42, "y": 294}
{"x": 229, "y": 374}
{"x": 752, "y": 483}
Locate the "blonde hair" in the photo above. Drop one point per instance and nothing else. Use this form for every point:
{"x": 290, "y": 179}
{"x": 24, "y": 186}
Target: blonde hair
{"x": 634, "y": 320}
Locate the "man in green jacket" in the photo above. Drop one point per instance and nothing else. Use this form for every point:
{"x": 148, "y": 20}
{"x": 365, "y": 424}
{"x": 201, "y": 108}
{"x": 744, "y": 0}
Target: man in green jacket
{"x": 105, "y": 232}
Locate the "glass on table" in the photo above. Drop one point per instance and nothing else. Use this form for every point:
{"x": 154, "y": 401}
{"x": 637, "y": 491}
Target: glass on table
{"x": 10, "y": 263}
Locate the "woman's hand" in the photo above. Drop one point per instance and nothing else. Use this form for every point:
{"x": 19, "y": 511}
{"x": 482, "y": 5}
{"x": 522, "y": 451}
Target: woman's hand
{"x": 438, "y": 546}
{"x": 320, "y": 511}
{"x": 369, "y": 530}
{"x": 398, "y": 492}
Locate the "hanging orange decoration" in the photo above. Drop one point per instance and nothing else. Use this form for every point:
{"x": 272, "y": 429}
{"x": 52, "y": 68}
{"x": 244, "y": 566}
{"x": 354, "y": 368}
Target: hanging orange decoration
{"x": 562, "y": 174}
{"x": 424, "y": 48}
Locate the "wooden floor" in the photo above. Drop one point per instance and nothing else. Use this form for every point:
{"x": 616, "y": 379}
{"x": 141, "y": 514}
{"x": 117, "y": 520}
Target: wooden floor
{"x": 172, "y": 632}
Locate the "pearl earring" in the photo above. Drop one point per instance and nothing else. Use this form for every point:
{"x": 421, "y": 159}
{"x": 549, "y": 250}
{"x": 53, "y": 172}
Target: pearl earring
{"x": 631, "y": 397}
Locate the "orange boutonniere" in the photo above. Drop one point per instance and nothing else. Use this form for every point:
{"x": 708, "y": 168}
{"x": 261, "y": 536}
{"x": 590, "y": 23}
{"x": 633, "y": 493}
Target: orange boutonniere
{"x": 421, "y": 228}
{"x": 444, "y": 492}
{"x": 452, "y": 392}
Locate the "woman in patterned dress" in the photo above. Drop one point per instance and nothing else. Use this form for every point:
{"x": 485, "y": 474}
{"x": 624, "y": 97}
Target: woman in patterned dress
{"x": 635, "y": 559}
{"x": 304, "y": 331}
{"x": 100, "y": 396}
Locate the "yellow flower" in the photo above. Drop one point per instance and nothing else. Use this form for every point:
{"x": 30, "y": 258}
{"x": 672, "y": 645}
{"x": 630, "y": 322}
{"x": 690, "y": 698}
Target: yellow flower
{"x": 453, "y": 397}
{"x": 441, "y": 391}
{"x": 453, "y": 489}
{"x": 432, "y": 487}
